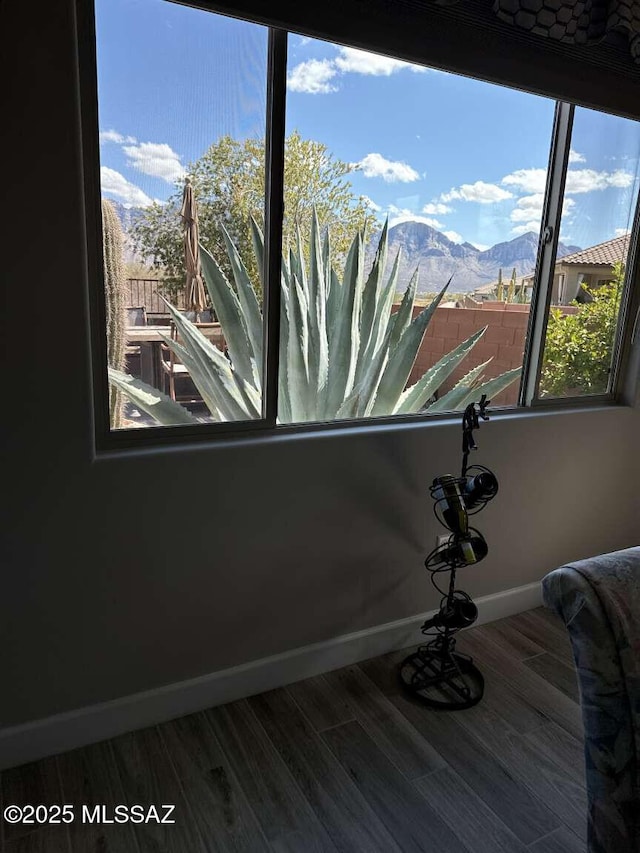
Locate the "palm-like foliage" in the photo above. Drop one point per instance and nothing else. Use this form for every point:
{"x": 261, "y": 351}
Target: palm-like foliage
{"x": 343, "y": 352}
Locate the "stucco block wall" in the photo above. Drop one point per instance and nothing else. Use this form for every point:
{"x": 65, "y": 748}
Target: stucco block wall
{"x": 503, "y": 342}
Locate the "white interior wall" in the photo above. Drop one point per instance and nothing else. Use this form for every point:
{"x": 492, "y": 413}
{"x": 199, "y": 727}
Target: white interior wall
{"x": 130, "y": 572}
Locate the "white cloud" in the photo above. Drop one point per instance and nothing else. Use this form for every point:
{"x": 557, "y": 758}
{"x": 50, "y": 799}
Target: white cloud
{"x": 578, "y": 180}
{"x": 527, "y": 180}
{"x": 480, "y": 192}
{"x": 398, "y": 215}
{"x": 312, "y": 77}
{"x": 621, "y": 232}
{"x": 620, "y": 178}
{"x": 528, "y": 210}
{"x": 534, "y": 226}
{"x": 574, "y": 157}
{"x": 156, "y": 159}
{"x": 376, "y": 166}
{"x": 115, "y": 184}
{"x": 362, "y": 62}
{"x": 114, "y": 136}
{"x": 436, "y": 208}
{"x": 587, "y": 180}
{"x": 453, "y": 236}
{"x": 315, "y": 75}
{"x": 481, "y": 246}
{"x": 370, "y": 202}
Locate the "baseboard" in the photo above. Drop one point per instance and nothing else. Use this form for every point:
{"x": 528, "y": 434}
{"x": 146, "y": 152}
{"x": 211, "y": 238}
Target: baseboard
{"x": 59, "y": 733}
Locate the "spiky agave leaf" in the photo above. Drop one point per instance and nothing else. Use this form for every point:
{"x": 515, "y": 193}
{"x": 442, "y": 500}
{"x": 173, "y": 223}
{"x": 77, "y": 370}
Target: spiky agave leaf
{"x": 465, "y": 387}
{"x": 246, "y": 296}
{"x": 415, "y": 397}
{"x": 300, "y": 393}
{"x": 345, "y": 331}
{"x": 326, "y": 262}
{"x": 284, "y": 395}
{"x": 365, "y": 391}
{"x": 382, "y": 322}
{"x": 370, "y": 301}
{"x": 402, "y": 358}
{"x": 297, "y": 264}
{"x": 402, "y": 318}
{"x": 492, "y": 387}
{"x": 317, "y": 305}
{"x": 257, "y": 239}
{"x": 221, "y": 388}
{"x": 229, "y": 310}
{"x": 152, "y": 401}
{"x": 333, "y": 306}
{"x": 215, "y": 385}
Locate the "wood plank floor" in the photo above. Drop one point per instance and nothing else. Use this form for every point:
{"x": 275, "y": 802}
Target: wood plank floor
{"x": 343, "y": 762}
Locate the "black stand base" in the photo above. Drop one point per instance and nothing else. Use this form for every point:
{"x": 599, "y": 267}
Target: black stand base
{"x": 441, "y": 677}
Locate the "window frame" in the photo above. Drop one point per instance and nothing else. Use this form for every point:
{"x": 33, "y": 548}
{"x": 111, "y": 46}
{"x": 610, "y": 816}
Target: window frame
{"x": 544, "y": 277}
{"x": 620, "y": 392}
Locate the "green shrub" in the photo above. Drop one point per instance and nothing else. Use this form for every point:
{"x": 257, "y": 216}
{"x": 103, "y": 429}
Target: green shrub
{"x": 579, "y": 347}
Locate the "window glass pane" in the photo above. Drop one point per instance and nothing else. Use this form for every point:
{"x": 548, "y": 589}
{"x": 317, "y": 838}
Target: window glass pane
{"x": 599, "y": 203}
{"x": 450, "y": 162}
{"x": 182, "y": 108}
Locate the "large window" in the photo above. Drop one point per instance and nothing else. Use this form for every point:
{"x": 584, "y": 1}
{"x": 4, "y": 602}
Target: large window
{"x": 435, "y": 157}
{"x": 295, "y": 231}
{"x": 182, "y": 107}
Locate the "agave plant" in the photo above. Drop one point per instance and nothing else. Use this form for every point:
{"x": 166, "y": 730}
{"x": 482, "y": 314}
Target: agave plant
{"x": 343, "y": 352}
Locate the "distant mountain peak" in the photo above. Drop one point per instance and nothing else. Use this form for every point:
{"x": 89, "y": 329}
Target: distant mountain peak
{"x": 438, "y": 257}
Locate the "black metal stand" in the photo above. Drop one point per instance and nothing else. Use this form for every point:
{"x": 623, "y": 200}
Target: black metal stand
{"x": 436, "y": 673}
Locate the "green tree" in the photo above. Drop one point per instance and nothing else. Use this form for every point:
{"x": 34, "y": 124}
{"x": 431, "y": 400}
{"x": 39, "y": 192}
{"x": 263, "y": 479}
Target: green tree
{"x": 228, "y": 181}
{"x": 579, "y": 347}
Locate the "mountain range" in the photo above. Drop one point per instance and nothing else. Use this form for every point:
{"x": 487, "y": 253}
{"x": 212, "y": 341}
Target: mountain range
{"x": 439, "y": 258}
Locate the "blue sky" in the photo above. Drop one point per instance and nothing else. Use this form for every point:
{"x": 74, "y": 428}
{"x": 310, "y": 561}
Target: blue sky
{"x": 466, "y": 157}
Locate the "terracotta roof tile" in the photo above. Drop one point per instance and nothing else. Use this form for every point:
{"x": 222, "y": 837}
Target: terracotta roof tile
{"x": 604, "y": 254}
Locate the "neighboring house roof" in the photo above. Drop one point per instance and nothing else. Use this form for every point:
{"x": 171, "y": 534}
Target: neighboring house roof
{"x": 604, "y": 254}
